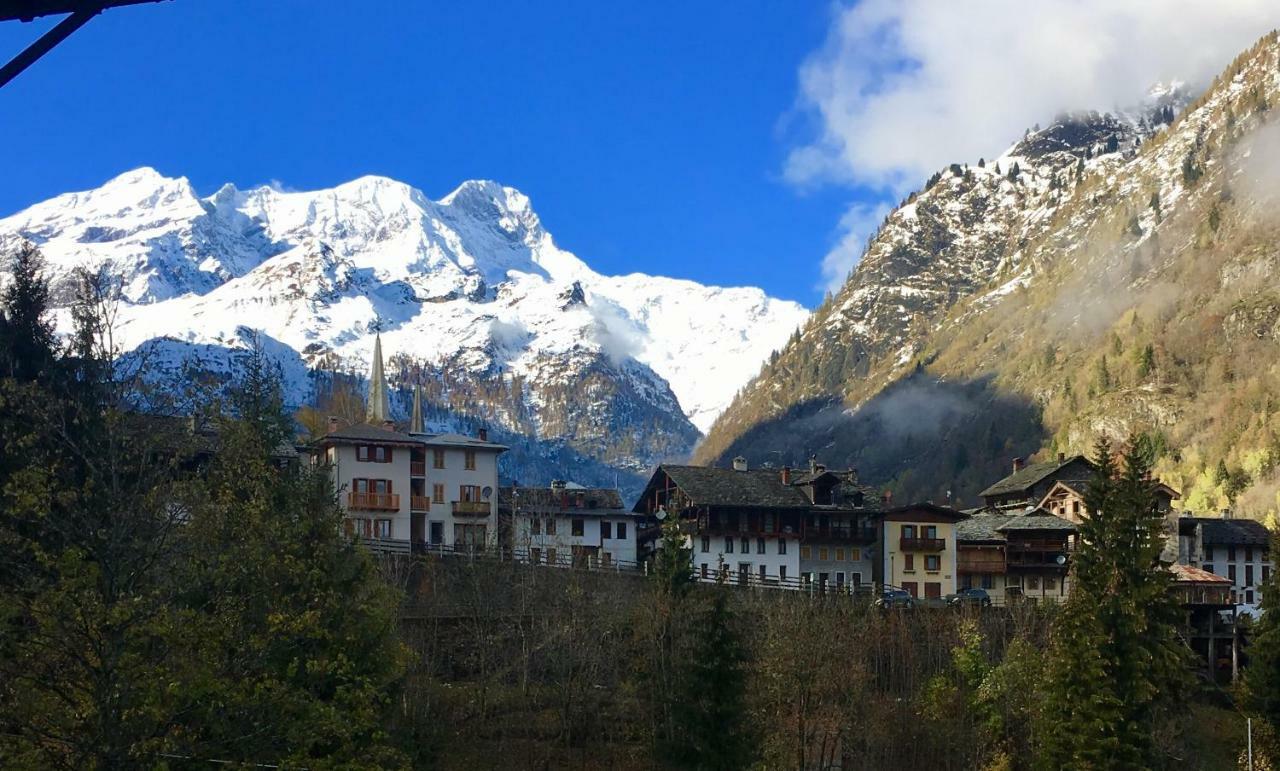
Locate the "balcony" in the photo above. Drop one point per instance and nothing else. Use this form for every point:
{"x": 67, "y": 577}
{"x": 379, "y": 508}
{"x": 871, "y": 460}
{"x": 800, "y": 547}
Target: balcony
{"x": 417, "y": 468}
{"x": 374, "y": 501}
{"x": 471, "y": 508}
{"x": 922, "y": 544}
{"x": 419, "y": 503}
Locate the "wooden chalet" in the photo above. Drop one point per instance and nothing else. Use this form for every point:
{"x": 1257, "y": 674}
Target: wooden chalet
{"x": 1029, "y": 483}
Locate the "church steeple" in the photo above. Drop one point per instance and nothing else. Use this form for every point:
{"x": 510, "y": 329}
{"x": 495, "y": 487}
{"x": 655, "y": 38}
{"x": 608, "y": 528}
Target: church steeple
{"x": 415, "y": 422}
{"x": 378, "y": 411}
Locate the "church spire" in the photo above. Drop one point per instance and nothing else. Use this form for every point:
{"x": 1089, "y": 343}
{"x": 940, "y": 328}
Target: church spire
{"x": 378, "y": 410}
{"x": 415, "y": 422}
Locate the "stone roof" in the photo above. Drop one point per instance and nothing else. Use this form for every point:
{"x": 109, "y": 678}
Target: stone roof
{"x": 1027, "y": 477}
{"x": 1233, "y": 532}
{"x": 363, "y": 432}
{"x": 546, "y": 498}
{"x": 457, "y": 440}
{"x": 982, "y": 526}
{"x": 1038, "y": 519}
{"x": 709, "y": 486}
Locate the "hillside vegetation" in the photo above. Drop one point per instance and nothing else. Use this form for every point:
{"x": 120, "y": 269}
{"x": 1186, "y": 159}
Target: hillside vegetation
{"x": 1138, "y": 294}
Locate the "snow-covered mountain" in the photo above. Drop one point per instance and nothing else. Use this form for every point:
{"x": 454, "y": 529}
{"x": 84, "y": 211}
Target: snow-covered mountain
{"x": 471, "y": 285}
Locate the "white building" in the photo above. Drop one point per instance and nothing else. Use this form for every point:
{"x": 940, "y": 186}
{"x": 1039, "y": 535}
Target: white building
{"x": 425, "y": 489}
{"x": 1236, "y": 549}
{"x": 568, "y": 525}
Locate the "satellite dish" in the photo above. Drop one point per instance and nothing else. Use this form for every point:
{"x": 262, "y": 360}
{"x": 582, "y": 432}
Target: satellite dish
{"x": 661, "y": 513}
{"x": 1061, "y": 559}
{"x": 486, "y": 492}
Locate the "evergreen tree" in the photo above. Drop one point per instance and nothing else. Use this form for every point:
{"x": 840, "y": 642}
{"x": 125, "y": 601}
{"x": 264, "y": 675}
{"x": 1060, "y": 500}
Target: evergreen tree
{"x": 1116, "y": 663}
{"x": 27, "y": 343}
{"x": 711, "y": 709}
{"x": 1262, "y": 676}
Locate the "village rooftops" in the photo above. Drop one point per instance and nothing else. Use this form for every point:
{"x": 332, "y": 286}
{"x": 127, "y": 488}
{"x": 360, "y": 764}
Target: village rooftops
{"x": 763, "y": 488}
{"x": 364, "y": 433}
{"x": 1039, "y": 519}
{"x": 1027, "y": 477}
{"x": 1193, "y": 575}
{"x": 981, "y": 527}
{"x": 590, "y": 501}
{"x": 1217, "y": 531}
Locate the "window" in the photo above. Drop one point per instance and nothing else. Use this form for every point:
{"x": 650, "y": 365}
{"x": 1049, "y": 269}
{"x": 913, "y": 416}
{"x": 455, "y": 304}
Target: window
{"x": 763, "y": 574}
{"x": 988, "y": 581}
{"x": 437, "y": 493}
{"x": 383, "y": 528}
{"x": 706, "y": 544}
{"x": 551, "y": 525}
{"x": 1033, "y": 582}
{"x": 704, "y": 571}
{"x": 551, "y": 557}
{"x": 469, "y": 460}
{"x": 932, "y": 563}
{"x": 577, "y": 526}
{"x": 606, "y": 530}
{"x": 1248, "y": 554}
{"x": 1248, "y": 575}
{"x": 822, "y": 552}
{"x": 840, "y": 579}
{"x": 1075, "y": 508}
{"x": 535, "y": 556}
{"x": 1248, "y": 596}
{"x": 782, "y": 546}
{"x": 1231, "y": 572}
{"x": 728, "y": 545}
{"x": 768, "y": 522}
{"x": 909, "y": 563}
{"x": 373, "y": 453}
{"x": 437, "y": 457}
{"x": 840, "y": 555}
{"x": 746, "y": 546}
{"x": 930, "y": 531}
{"x": 535, "y": 526}
{"x": 1231, "y": 553}
{"x": 1050, "y": 583}
{"x": 759, "y": 546}
{"x": 622, "y": 531}
{"x": 1208, "y": 554}
{"x": 855, "y": 555}
{"x": 804, "y": 552}
{"x": 908, "y": 531}
{"x": 1207, "y": 567}
{"x": 782, "y": 572}
{"x": 437, "y": 533}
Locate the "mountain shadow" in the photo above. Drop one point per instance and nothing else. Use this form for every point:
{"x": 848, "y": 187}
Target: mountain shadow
{"x": 920, "y": 438}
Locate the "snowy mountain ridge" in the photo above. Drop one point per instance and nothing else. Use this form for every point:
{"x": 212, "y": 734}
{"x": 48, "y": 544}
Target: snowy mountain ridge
{"x": 472, "y": 282}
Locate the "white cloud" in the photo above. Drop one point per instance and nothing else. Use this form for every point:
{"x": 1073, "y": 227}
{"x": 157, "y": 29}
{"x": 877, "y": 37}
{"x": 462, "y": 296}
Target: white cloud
{"x": 904, "y": 87}
{"x": 856, "y": 226}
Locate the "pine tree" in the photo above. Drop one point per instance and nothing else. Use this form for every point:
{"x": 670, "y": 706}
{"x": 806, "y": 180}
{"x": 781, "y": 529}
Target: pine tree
{"x": 711, "y": 710}
{"x": 27, "y": 343}
{"x": 1116, "y": 663}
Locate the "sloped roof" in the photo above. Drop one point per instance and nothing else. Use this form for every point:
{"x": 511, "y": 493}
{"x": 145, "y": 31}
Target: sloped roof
{"x": 726, "y": 487}
{"x": 363, "y": 432}
{"x": 1190, "y": 574}
{"x": 457, "y": 440}
{"x": 545, "y": 497}
{"x": 983, "y": 526}
{"x": 1233, "y": 532}
{"x": 1039, "y": 519}
{"x": 1029, "y": 475}
{"x": 931, "y": 508}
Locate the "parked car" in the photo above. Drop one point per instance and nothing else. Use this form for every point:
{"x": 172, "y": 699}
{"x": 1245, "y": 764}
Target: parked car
{"x": 971, "y": 596}
{"x": 892, "y": 597}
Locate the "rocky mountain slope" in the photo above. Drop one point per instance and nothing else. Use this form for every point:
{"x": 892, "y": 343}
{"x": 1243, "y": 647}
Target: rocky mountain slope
{"x": 471, "y": 293}
{"x": 1107, "y": 274}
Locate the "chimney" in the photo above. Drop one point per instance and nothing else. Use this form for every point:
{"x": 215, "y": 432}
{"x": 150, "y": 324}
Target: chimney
{"x": 1062, "y": 457}
{"x": 333, "y": 424}
{"x": 389, "y": 425}
{"x": 483, "y": 434}
{"x": 813, "y": 464}
{"x": 739, "y": 463}
{"x": 819, "y": 468}
{"x": 1017, "y": 465}
{"x": 786, "y": 475}
{"x": 886, "y": 497}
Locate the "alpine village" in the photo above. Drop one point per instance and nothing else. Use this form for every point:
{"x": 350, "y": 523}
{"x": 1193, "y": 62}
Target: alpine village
{"x": 1007, "y": 499}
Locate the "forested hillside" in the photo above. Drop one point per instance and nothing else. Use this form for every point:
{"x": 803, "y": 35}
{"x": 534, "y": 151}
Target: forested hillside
{"x": 1105, "y": 275}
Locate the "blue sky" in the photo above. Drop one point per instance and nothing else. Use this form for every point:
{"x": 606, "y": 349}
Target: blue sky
{"x": 651, "y": 136}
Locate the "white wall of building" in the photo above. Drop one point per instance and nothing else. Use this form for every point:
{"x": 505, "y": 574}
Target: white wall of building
{"x": 708, "y": 556}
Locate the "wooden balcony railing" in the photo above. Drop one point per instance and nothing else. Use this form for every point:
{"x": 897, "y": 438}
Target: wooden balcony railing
{"x": 923, "y": 544}
{"x": 471, "y": 508}
{"x": 418, "y": 468}
{"x": 419, "y": 503}
{"x": 374, "y": 501}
